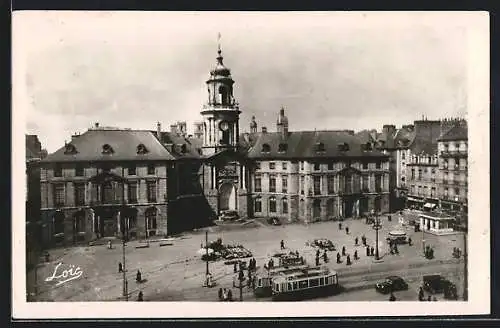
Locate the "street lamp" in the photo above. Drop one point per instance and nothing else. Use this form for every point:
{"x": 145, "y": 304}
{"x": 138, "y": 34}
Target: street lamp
{"x": 377, "y": 226}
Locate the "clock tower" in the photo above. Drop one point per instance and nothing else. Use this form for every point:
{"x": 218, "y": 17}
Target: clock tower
{"x": 221, "y": 112}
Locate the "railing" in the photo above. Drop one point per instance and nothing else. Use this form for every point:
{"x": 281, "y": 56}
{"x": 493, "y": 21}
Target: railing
{"x": 453, "y": 153}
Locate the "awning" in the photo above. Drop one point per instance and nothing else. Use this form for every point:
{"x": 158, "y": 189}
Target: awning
{"x": 429, "y": 205}
{"x": 414, "y": 199}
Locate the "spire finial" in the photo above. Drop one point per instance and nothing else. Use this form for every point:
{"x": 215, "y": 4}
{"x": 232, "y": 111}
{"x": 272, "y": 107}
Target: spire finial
{"x": 218, "y": 43}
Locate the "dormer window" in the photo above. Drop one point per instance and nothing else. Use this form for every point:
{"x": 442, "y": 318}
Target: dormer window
{"x": 70, "y": 149}
{"x": 141, "y": 149}
{"x": 282, "y": 148}
{"x": 183, "y": 149}
{"x": 343, "y": 147}
{"x": 266, "y": 148}
{"x": 107, "y": 149}
{"x": 320, "y": 147}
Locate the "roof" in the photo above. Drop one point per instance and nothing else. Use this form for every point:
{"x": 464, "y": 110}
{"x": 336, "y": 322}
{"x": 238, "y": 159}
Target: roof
{"x": 124, "y": 145}
{"x": 174, "y": 144}
{"x": 426, "y": 137}
{"x": 404, "y": 137}
{"x": 303, "y": 144}
{"x": 458, "y": 132}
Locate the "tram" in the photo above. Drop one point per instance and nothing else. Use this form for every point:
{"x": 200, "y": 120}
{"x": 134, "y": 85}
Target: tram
{"x": 263, "y": 279}
{"x": 304, "y": 284}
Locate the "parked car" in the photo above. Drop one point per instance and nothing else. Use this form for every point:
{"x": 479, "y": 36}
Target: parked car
{"x": 391, "y": 283}
{"x": 274, "y": 221}
{"x": 436, "y": 284}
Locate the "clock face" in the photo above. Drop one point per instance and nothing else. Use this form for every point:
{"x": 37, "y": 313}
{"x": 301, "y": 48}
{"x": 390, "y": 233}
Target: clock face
{"x": 224, "y": 126}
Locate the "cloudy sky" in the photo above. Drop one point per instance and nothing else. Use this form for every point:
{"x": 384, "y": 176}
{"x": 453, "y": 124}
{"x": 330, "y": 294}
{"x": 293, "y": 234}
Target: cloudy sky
{"x": 329, "y": 71}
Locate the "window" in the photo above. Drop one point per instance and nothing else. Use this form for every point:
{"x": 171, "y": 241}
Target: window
{"x": 314, "y": 282}
{"x": 320, "y": 147}
{"x": 329, "y": 208}
{"x": 151, "y": 219}
{"x": 419, "y": 190}
{"x": 58, "y": 170}
{"x": 365, "y": 165}
{"x": 419, "y": 174}
{"x": 284, "y": 166}
{"x": 348, "y": 184}
{"x": 107, "y": 196}
{"x": 378, "y": 164}
{"x": 151, "y": 186}
{"x": 331, "y": 184}
{"x": 403, "y": 156}
{"x": 79, "y": 171}
{"x": 284, "y": 184}
{"x": 79, "y": 222}
{"x": 59, "y": 195}
{"x": 79, "y": 194}
{"x": 272, "y": 204}
{"x": 272, "y": 183}
{"x": 266, "y": 148}
{"x": 141, "y": 149}
{"x": 301, "y": 165}
{"x": 433, "y": 192}
{"x": 378, "y": 183}
{"x": 302, "y": 208}
{"x": 132, "y": 193}
{"x": 282, "y": 148}
{"x": 316, "y": 166}
{"x": 412, "y": 174}
{"x": 317, "y": 185}
{"x": 284, "y": 205}
{"x": 257, "y": 165}
{"x": 330, "y": 166}
{"x": 302, "y": 184}
{"x": 457, "y": 192}
{"x": 107, "y": 149}
{"x": 272, "y": 165}
{"x": 132, "y": 170}
{"x": 151, "y": 169}
{"x": 365, "y": 186}
{"x": 258, "y": 205}
{"x": 257, "y": 183}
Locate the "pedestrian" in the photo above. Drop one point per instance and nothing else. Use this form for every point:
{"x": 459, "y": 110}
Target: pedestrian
{"x": 282, "y": 244}
{"x": 338, "y": 258}
{"x": 346, "y": 230}
{"x": 110, "y": 244}
{"x": 356, "y": 241}
{"x": 421, "y": 294}
{"x": 325, "y": 257}
{"x": 317, "y": 252}
{"x": 396, "y": 250}
{"x": 120, "y": 267}
{"x": 235, "y": 267}
{"x": 429, "y": 298}
{"x": 297, "y": 253}
{"x": 340, "y": 225}
{"x": 220, "y": 294}
{"x": 363, "y": 240}
{"x": 224, "y": 294}
{"x": 409, "y": 241}
{"x": 343, "y": 250}
{"x": 317, "y": 260}
{"x": 392, "y": 298}
{"x": 138, "y": 276}
{"x": 434, "y": 299}
{"x": 140, "y": 297}
{"x": 348, "y": 260}
{"x": 356, "y": 257}
{"x": 229, "y": 295}
{"x": 367, "y": 250}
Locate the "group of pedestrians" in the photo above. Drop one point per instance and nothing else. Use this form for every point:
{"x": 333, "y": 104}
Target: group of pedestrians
{"x": 421, "y": 296}
{"x": 225, "y": 295}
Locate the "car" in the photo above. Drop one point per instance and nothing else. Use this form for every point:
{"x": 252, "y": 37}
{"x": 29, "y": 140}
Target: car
{"x": 274, "y": 221}
{"x": 391, "y": 284}
{"x": 436, "y": 284}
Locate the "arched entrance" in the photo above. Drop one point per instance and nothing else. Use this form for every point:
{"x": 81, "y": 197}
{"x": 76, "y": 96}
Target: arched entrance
{"x": 227, "y": 197}
{"x": 151, "y": 221}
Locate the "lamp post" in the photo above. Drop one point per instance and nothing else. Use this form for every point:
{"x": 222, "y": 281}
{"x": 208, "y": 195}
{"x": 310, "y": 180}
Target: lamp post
{"x": 376, "y": 226}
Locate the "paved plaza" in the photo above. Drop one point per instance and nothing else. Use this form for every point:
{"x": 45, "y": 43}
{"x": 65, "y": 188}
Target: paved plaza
{"x": 176, "y": 272}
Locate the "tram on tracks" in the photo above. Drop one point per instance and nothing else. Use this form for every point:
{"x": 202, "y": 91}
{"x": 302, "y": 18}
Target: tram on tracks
{"x": 263, "y": 279}
{"x": 303, "y": 284}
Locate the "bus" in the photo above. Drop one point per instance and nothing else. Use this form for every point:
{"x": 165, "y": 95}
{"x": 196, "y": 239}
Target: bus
{"x": 303, "y": 284}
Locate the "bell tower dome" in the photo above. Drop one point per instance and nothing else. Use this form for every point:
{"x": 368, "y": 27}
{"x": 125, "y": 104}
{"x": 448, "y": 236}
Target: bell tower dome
{"x": 221, "y": 112}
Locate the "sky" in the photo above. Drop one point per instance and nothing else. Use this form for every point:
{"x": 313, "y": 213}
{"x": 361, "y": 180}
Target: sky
{"x": 328, "y": 70}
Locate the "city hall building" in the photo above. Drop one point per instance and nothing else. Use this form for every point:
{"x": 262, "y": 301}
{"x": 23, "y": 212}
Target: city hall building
{"x": 110, "y": 182}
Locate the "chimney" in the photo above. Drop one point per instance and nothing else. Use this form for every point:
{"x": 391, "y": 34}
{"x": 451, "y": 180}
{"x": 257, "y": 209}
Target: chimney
{"x": 173, "y": 129}
{"x": 264, "y": 129}
{"x": 158, "y": 130}
{"x": 389, "y": 129}
{"x": 282, "y": 123}
{"x": 253, "y": 125}
{"x": 74, "y": 136}
{"x": 96, "y": 125}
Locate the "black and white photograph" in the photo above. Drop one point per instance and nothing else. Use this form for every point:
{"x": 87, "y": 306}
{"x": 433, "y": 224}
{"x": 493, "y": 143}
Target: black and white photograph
{"x": 222, "y": 164}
